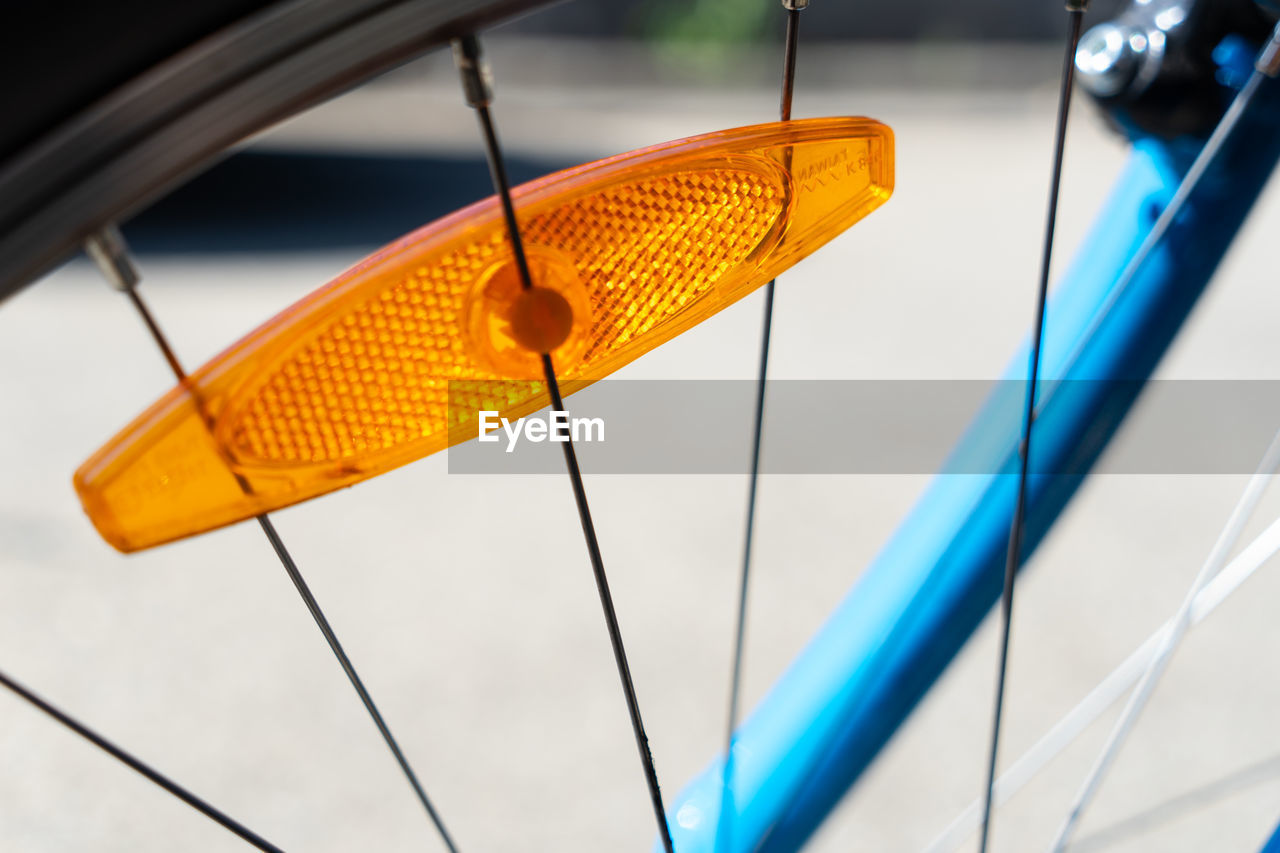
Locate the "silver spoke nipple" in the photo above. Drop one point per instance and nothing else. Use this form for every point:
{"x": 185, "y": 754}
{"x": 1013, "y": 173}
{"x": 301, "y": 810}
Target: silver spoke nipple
{"x": 109, "y": 252}
{"x": 795, "y": 5}
{"x": 477, "y": 81}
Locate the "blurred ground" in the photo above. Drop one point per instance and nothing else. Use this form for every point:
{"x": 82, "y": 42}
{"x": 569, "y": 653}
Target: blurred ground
{"x": 938, "y": 19}
{"x": 467, "y": 601}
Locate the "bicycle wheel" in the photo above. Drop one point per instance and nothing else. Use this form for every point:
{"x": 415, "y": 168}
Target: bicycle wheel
{"x": 685, "y": 742}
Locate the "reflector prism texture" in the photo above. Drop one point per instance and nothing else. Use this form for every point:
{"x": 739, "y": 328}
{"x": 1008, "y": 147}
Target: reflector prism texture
{"x": 355, "y": 379}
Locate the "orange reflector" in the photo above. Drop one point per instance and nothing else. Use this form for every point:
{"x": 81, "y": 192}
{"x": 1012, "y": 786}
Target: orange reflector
{"x": 354, "y": 379}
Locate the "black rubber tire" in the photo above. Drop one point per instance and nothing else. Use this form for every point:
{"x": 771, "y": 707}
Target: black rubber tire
{"x": 69, "y": 54}
{"x": 117, "y": 103}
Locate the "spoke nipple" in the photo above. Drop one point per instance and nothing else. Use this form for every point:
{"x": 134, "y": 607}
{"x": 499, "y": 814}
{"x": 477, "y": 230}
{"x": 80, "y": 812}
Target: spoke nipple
{"x": 477, "y": 81}
{"x": 795, "y": 5}
{"x": 1077, "y": 5}
{"x": 108, "y": 250}
{"x": 541, "y": 319}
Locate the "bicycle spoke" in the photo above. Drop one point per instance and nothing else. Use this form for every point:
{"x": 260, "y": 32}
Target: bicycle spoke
{"x": 1075, "y": 13}
{"x": 1266, "y": 66}
{"x": 476, "y": 87}
{"x": 1213, "y": 593}
{"x": 135, "y": 764}
{"x": 1199, "y": 798}
{"x": 793, "y": 8}
{"x": 724, "y": 826}
{"x": 109, "y": 251}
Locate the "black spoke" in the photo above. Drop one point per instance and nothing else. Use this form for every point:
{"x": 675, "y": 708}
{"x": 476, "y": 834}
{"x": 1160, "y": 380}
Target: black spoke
{"x": 286, "y": 559}
{"x": 1013, "y": 556}
{"x": 476, "y": 87}
{"x": 135, "y": 764}
{"x": 793, "y": 8}
{"x": 724, "y": 824}
{"x": 108, "y": 249}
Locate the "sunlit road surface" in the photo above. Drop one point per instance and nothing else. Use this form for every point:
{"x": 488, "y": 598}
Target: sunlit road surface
{"x": 467, "y": 602}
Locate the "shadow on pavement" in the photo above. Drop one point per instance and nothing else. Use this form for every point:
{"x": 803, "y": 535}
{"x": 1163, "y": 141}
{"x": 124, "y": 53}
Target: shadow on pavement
{"x": 278, "y": 201}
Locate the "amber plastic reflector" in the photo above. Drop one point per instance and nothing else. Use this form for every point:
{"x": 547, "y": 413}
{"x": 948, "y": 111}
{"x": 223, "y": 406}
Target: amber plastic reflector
{"x": 355, "y": 379}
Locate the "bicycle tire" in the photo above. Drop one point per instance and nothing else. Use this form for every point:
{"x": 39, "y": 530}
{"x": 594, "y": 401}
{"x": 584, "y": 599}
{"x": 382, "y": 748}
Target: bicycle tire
{"x": 117, "y": 145}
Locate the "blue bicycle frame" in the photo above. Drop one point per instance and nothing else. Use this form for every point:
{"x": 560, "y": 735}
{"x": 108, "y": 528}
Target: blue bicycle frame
{"x": 841, "y": 700}
{"x": 1273, "y": 844}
